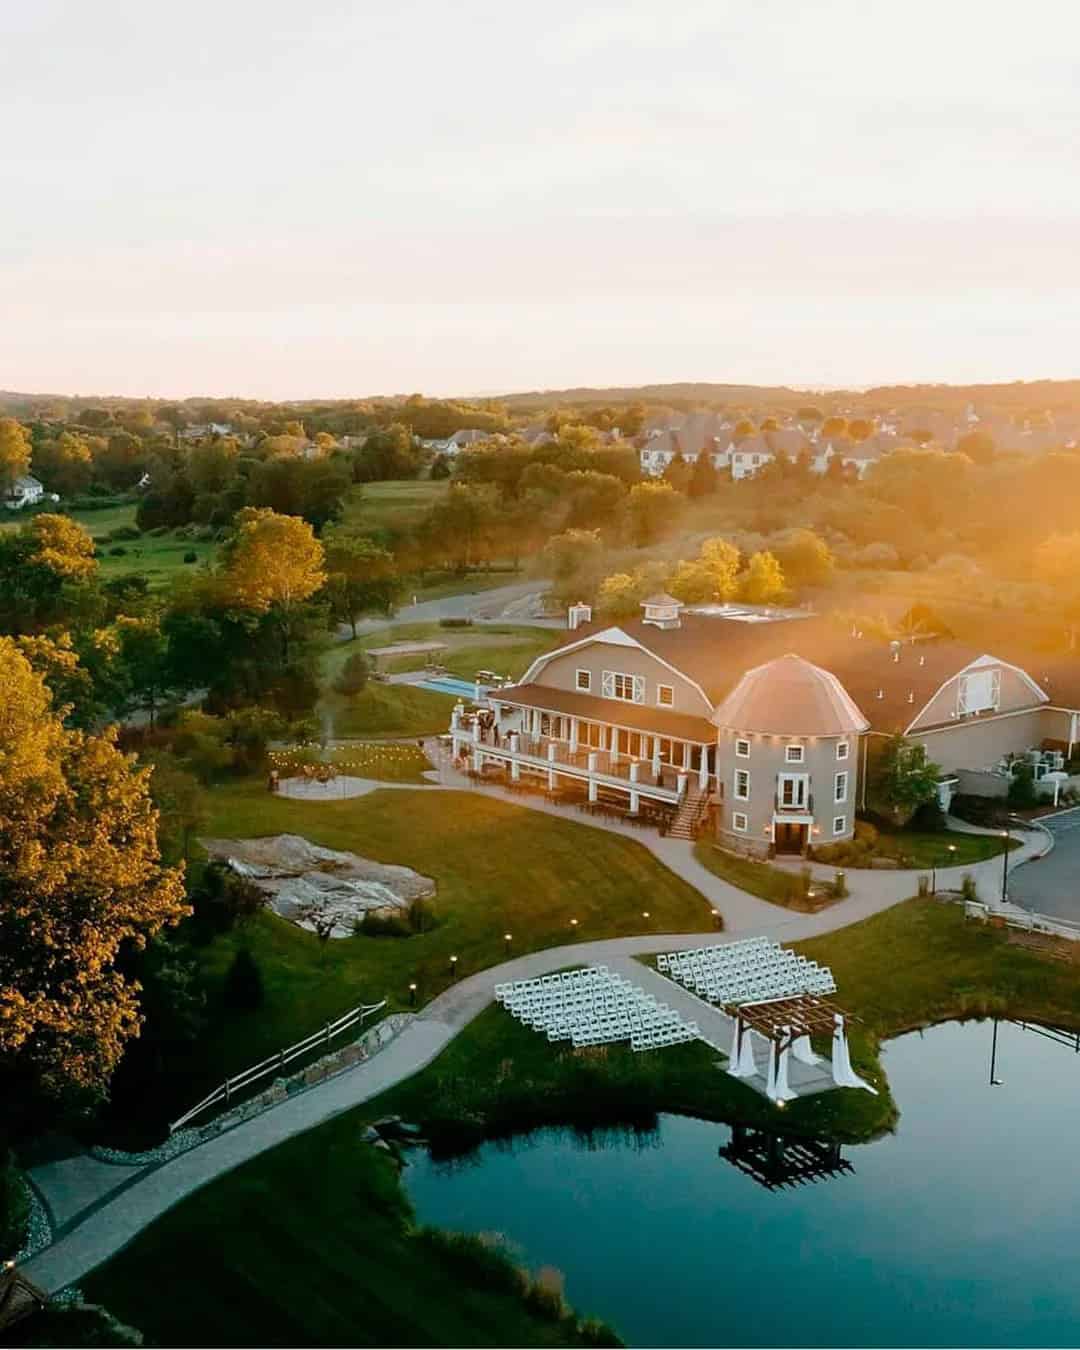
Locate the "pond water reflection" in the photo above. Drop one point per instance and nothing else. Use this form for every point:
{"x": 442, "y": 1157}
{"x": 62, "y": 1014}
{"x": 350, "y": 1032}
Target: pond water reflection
{"x": 960, "y": 1229}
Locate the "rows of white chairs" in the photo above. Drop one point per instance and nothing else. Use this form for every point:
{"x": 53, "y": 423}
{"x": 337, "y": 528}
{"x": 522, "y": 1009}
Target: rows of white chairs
{"x": 751, "y": 971}
{"x": 594, "y": 1007}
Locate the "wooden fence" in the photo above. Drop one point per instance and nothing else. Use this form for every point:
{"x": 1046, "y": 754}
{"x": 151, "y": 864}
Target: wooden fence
{"x": 275, "y": 1064}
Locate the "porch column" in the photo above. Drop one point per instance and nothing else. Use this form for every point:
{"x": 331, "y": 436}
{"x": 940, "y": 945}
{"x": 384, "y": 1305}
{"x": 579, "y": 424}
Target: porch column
{"x": 552, "y": 751}
{"x": 635, "y": 770}
{"x": 686, "y": 755}
{"x": 593, "y": 792}
{"x": 573, "y": 735}
{"x": 455, "y": 716}
{"x": 683, "y": 780}
{"x": 515, "y": 763}
{"x": 635, "y": 802}
{"x": 703, "y": 771}
{"x": 478, "y": 759}
{"x": 457, "y": 743}
{"x": 656, "y": 756}
{"x": 614, "y": 744}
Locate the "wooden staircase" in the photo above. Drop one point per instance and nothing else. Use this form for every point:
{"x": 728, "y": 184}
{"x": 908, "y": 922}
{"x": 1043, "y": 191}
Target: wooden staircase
{"x": 691, "y": 809}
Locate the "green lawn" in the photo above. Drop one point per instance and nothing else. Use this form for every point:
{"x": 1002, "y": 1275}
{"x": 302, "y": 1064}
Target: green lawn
{"x": 393, "y": 505}
{"x": 158, "y": 558}
{"x": 387, "y": 761}
{"x": 388, "y": 710}
{"x": 457, "y": 583}
{"x": 499, "y": 868}
{"x": 314, "y": 1244}
{"x": 925, "y": 848}
{"x": 770, "y": 883}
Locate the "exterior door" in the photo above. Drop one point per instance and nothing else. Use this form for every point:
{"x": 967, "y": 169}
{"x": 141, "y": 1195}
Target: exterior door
{"x": 788, "y": 837}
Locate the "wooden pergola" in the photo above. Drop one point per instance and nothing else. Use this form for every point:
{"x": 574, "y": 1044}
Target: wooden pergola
{"x": 802, "y": 1015}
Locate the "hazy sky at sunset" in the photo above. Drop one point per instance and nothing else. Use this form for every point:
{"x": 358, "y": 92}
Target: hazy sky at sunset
{"x": 331, "y": 198}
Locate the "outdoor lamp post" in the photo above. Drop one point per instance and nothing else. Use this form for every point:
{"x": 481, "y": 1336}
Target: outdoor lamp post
{"x": 508, "y": 938}
{"x": 1004, "y": 864}
{"x": 573, "y": 924}
{"x": 453, "y": 967}
{"x": 412, "y": 994}
{"x": 645, "y": 915}
{"x": 716, "y": 918}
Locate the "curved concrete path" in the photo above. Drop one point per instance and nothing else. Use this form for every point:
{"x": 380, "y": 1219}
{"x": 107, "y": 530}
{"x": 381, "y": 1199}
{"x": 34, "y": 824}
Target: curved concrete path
{"x": 89, "y": 1236}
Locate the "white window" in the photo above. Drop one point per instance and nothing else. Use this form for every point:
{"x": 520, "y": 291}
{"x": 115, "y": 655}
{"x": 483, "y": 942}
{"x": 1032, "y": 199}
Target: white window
{"x": 841, "y": 749}
{"x": 839, "y": 824}
{"x": 739, "y": 822}
{"x": 626, "y": 688}
{"x": 979, "y": 692}
{"x": 742, "y": 749}
{"x": 665, "y": 695}
{"x": 840, "y": 794}
{"x": 742, "y": 784}
{"x": 793, "y": 790}
{"x": 794, "y": 754}
{"x": 583, "y": 681}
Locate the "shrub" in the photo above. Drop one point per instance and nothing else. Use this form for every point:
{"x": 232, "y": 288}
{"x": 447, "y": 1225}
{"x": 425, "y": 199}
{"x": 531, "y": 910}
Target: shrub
{"x": 1022, "y": 788}
{"x": 191, "y": 556}
{"x": 455, "y": 623}
{"x": 243, "y": 983}
{"x": 383, "y": 923}
{"x": 928, "y": 817}
{"x": 126, "y": 532}
{"x": 222, "y": 899}
{"x": 866, "y": 834}
{"x": 14, "y": 1206}
{"x": 968, "y": 889}
{"x": 989, "y": 812}
{"x": 353, "y": 675}
{"x": 118, "y": 551}
{"x": 545, "y": 1294}
{"x": 158, "y": 531}
{"x": 477, "y": 1259}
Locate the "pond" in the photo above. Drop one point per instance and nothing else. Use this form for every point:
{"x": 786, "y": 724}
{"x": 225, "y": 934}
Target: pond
{"x": 960, "y": 1229}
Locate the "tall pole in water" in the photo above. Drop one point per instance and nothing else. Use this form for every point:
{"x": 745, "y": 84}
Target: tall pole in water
{"x": 1004, "y": 864}
{"x": 995, "y": 1081}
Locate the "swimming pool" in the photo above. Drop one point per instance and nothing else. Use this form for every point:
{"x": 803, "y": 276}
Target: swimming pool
{"x": 447, "y": 684}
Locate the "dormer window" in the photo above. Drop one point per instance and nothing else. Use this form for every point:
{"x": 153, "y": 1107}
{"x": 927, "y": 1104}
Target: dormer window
{"x": 980, "y": 691}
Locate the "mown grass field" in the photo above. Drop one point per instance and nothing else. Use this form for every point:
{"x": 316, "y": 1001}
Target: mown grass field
{"x": 392, "y": 505}
{"x": 314, "y": 1245}
{"x": 160, "y": 558}
{"x": 498, "y": 869}
{"x": 387, "y": 710}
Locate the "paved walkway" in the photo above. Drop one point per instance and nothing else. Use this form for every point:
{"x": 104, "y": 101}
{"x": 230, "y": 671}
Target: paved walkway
{"x": 93, "y": 1221}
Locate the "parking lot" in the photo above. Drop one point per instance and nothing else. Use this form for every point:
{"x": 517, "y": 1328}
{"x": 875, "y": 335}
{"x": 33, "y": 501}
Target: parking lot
{"x": 1052, "y": 885}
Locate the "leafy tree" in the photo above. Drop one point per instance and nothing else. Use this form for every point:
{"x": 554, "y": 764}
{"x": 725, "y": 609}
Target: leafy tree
{"x": 143, "y": 656}
{"x": 243, "y": 990}
{"x": 860, "y": 429}
{"x": 743, "y": 428}
{"x": 833, "y": 427}
{"x": 677, "y": 473}
{"x": 711, "y": 577}
{"x": 273, "y": 564}
{"x": 14, "y": 452}
{"x": 804, "y": 556}
{"x": 181, "y": 804}
{"x": 1057, "y": 562}
{"x": 47, "y": 574}
{"x": 361, "y": 576}
{"x": 460, "y": 531}
{"x": 763, "y": 581}
{"x": 353, "y": 676}
{"x": 573, "y": 560}
{"x": 905, "y": 778}
{"x": 978, "y": 446}
{"x": 652, "y": 510}
{"x": 928, "y": 485}
{"x": 810, "y": 414}
{"x": 441, "y": 467}
{"x": 80, "y": 874}
{"x": 704, "y": 479}
{"x": 64, "y": 464}
{"x": 387, "y": 454}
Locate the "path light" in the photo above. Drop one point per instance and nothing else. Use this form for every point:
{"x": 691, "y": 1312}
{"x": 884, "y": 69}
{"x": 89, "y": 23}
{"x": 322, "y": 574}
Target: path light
{"x": 716, "y": 918}
{"x": 412, "y": 994}
{"x": 508, "y": 938}
{"x": 573, "y": 923}
{"x": 645, "y": 914}
{"x": 453, "y": 967}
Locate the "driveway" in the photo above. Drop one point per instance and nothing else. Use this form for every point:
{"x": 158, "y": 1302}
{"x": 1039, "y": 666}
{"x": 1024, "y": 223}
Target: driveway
{"x": 1052, "y": 884}
{"x": 502, "y": 604}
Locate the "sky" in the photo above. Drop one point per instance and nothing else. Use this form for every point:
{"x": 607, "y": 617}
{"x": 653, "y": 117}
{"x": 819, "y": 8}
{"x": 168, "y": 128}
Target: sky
{"x": 337, "y": 199}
